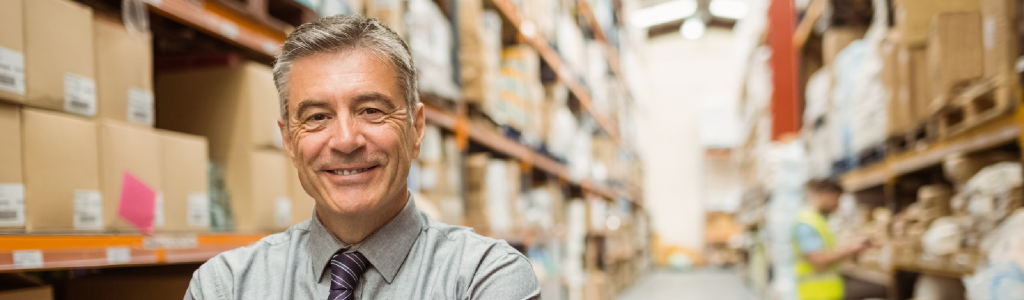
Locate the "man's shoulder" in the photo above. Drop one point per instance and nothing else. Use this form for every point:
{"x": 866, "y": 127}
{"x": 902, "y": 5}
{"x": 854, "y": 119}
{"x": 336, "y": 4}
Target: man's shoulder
{"x": 469, "y": 238}
{"x": 236, "y": 259}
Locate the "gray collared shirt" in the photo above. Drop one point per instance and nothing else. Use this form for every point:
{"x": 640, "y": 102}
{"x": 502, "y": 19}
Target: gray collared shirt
{"x": 411, "y": 257}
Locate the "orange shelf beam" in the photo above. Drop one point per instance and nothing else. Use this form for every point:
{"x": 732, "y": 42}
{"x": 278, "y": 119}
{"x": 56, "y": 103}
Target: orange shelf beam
{"x": 222, "y": 23}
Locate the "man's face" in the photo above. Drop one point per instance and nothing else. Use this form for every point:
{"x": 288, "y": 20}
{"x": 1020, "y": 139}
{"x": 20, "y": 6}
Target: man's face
{"x": 828, "y": 202}
{"x": 349, "y": 132}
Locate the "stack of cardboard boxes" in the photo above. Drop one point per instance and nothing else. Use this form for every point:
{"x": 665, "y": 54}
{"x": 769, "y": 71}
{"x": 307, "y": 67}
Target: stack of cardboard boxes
{"x": 80, "y": 150}
{"x": 938, "y": 50}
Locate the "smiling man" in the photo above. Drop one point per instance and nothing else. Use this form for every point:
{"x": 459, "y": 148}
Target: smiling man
{"x": 352, "y": 124}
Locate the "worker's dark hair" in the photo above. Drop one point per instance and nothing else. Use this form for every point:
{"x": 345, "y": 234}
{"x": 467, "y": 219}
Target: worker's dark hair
{"x": 824, "y": 185}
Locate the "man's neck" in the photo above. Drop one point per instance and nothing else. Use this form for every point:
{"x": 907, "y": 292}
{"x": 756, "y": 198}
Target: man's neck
{"x": 352, "y": 229}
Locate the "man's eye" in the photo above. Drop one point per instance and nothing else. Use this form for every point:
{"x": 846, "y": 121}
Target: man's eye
{"x": 373, "y": 111}
{"x": 318, "y": 117}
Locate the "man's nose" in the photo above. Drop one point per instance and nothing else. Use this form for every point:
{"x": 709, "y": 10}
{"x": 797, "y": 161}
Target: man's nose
{"x": 346, "y": 137}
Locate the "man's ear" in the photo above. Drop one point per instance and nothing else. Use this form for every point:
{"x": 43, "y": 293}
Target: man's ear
{"x": 420, "y": 125}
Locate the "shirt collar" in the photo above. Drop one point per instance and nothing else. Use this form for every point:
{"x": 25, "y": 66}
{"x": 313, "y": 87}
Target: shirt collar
{"x": 386, "y": 248}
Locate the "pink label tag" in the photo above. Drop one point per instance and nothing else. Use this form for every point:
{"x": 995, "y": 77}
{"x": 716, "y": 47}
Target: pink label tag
{"x": 137, "y": 203}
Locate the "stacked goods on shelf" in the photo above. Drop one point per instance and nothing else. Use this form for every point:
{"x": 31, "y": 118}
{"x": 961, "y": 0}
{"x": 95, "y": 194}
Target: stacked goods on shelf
{"x": 430, "y": 39}
{"x": 492, "y": 195}
{"x": 438, "y": 180}
{"x": 236, "y": 109}
{"x": 186, "y": 198}
{"x": 59, "y": 58}
{"x": 124, "y": 73}
{"x": 519, "y": 90}
{"x": 12, "y": 48}
{"x": 12, "y": 188}
{"x": 910, "y": 225}
{"x": 389, "y": 12}
{"x": 479, "y": 52}
{"x": 817, "y": 134}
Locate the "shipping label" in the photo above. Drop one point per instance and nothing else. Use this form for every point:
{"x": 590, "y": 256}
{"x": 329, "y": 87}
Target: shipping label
{"x": 12, "y": 71}
{"x": 140, "y": 106}
{"x": 88, "y": 210}
{"x": 12, "y": 204}
{"x": 79, "y": 94}
{"x": 158, "y": 210}
{"x": 198, "y": 210}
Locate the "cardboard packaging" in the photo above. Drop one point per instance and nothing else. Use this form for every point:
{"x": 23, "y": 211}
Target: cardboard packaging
{"x": 899, "y": 103}
{"x": 257, "y": 182}
{"x": 954, "y": 54}
{"x": 836, "y": 39}
{"x": 302, "y": 203}
{"x": 60, "y": 63}
{"x": 389, "y": 12}
{"x": 999, "y": 38}
{"x": 479, "y": 52}
{"x": 913, "y": 17}
{"x": 915, "y": 81}
{"x": 61, "y": 169}
{"x": 183, "y": 161}
{"x": 12, "y": 189}
{"x": 235, "y": 108}
{"x": 127, "y": 150}
{"x": 124, "y": 73}
{"x": 12, "y": 52}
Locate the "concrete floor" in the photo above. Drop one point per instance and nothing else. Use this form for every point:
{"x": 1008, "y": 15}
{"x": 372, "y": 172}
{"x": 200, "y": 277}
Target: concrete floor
{"x": 692, "y": 285}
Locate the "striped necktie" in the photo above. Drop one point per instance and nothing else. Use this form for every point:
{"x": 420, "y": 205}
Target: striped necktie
{"x": 345, "y": 271}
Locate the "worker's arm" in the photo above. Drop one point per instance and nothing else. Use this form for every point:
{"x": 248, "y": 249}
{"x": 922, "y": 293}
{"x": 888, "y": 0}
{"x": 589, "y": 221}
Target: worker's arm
{"x": 824, "y": 260}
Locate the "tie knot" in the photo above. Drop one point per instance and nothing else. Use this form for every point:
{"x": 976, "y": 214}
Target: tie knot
{"x": 346, "y": 268}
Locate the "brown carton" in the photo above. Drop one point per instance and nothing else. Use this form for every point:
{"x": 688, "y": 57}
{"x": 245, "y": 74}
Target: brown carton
{"x": 183, "y": 161}
{"x": 12, "y": 189}
{"x": 235, "y": 108}
{"x": 12, "y": 51}
{"x": 127, "y": 150}
{"x": 913, "y": 17}
{"x": 999, "y": 38}
{"x": 124, "y": 73}
{"x": 836, "y": 39}
{"x": 955, "y": 55}
{"x": 59, "y": 56}
{"x": 61, "y": 162}
{"x": 258, "y": 184}
{"x": 916, "y": 73}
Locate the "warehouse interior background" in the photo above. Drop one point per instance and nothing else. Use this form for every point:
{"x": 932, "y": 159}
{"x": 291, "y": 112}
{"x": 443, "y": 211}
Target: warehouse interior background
{"x": 632, "y": 149}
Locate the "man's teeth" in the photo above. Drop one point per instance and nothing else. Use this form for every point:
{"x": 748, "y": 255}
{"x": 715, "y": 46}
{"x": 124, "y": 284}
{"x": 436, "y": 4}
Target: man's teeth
{"x": 350, "y": 172}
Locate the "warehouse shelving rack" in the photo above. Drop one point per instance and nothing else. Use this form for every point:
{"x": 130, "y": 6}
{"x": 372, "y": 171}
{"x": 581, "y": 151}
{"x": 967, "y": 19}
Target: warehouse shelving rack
{"x": 36, "y": 252}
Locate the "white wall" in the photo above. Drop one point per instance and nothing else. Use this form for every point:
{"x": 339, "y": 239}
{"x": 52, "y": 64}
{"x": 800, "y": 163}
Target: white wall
{"x": 680, "y": 74}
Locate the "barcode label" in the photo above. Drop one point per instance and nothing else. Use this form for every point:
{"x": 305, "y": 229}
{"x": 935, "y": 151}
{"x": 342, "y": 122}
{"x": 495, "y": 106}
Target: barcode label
{"x": 229, "y": 30}
{"x": 140, "y": 106}
{"x": 119, "y": 255}
{"x": 198, "y": 210}
{"x": 12, "y": 71}
{"x": 79, "y": 94}
{"x": 158, "y": 210}
{"x": 88, "y": 210}
{"x": 28, "y": 259}
{"x": 12, "y": 204}
{"x": 283, "y": 215}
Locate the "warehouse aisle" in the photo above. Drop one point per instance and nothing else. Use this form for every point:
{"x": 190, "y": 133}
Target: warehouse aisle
{"x": 696, "y": 285}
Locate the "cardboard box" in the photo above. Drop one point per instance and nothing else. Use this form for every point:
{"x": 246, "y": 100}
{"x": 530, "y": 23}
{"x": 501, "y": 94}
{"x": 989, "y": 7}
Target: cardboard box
{"x": 915, "y": 81}
{"x": 127, "y": 150}
{"x": 183, "y": 161}
{"x": 257, "y": 182}
{"x": 235, "y": 108}
{"x": 12, "y": 51}
{"x": 913, "y": 17}
{"x": 999, "y": 38}
{"x": 389, "y": 12}
{"x": 479, "y": 52}
{"x": 12, "y": 189}
{"x": 899, "y": 100}
{"x": 61, "y": 163}
{"x": 124, "y": 73}
{"x": 302, "y": 203}
{"x": 836, "y": 39}
{"x": 60, "y": 63}
{"x": 955, "y": 54}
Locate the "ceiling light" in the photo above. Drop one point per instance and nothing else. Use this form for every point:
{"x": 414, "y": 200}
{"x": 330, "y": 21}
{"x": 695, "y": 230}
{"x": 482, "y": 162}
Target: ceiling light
{"x": 663, "y": 13}
{"x": 729, "y": 9}
{"x": 693, "y": 28}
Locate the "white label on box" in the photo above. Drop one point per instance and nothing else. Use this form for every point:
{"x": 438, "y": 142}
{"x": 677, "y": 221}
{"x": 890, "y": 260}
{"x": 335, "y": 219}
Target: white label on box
{"x": 12, "y": 204}
{"x": 198, "y": 209}
{"x": 989, "y": 33}
{"x": 79, "y": 94}
{"x": 12, "y": 71}
{"x": 283, "y": 215}
{"x": 28, "y": 259}
{"x": 119, "y": 255}
{"x": 158, "y": 210}
{"x": 140, "y": 106}
{"x": 170, "y": 242}
{"x": 88, "y": 210}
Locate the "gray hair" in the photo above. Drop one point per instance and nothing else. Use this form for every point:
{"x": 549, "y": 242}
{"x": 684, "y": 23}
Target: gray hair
{"x": 340, "y": 33}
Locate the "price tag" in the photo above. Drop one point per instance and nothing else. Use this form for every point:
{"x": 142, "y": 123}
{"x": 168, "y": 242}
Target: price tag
{"x": 28, "y": 259}
{"x": 170, "y": 242}
{"x": 119, "y": 255}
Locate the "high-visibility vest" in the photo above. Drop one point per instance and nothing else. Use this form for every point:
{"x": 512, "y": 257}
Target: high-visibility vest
{"x": 826, "y": 285}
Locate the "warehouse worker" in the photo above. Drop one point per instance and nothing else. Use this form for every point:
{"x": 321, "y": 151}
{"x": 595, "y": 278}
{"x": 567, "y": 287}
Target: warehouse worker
{"x": 352, "y": 123}
{"x": 817, "y": 257}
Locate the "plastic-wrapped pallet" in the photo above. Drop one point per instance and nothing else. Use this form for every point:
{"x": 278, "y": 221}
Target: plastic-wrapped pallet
{"x": 430, "y": 38}
{"x": 960, "y": 167}
{"x": 1002, "y": 278}
{"x": 937, "y": 288}
{"x": 816, "y": 134}
{"x": 859, "y": 89}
